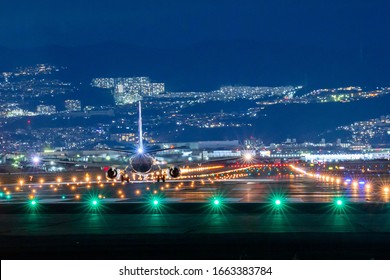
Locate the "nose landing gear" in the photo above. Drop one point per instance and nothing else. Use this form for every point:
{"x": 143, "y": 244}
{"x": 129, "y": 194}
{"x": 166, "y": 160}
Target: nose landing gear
{"x": 161, "y": 178}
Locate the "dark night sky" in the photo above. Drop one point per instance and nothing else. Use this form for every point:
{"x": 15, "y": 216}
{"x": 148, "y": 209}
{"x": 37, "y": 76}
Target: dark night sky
{"x": 203, "y": 44}
{"x": 167, "y": 23}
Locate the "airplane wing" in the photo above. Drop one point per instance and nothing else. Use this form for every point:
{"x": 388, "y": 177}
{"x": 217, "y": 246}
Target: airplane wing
{"x": 146, "y": 151}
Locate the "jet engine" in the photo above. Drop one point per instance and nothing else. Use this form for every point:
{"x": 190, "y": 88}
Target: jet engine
{"x": 113, "y": 173}
{"x": 174, "y": 172}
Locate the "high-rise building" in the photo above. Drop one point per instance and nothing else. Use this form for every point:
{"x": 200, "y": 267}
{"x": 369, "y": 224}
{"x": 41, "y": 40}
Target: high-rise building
{"x": 46, "y": 109}
{"x": 73, "y": 105}
{"x": 129, "y": 90}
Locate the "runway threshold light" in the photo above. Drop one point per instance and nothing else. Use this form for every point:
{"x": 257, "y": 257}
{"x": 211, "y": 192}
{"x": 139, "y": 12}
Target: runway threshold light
{"x": 217, "y": 203}
{"x": 155, "y": 201}
{"x": 277, "y": 203}
{"x": 94, "y": 203}
{"x": 339, "y": 202}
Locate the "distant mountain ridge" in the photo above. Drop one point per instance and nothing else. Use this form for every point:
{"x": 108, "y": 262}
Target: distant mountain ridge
{"x": 207, "y": 66}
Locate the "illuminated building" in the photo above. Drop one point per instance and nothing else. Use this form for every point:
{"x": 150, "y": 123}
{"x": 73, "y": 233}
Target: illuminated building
{"x": 129, "y": 90}
{"x": 73, "y": 105}
{"x": 46, "y": 109}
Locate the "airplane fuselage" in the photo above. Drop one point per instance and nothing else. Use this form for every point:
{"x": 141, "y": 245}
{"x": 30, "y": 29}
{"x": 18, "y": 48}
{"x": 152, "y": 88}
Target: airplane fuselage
{"x": 141, "y": 163}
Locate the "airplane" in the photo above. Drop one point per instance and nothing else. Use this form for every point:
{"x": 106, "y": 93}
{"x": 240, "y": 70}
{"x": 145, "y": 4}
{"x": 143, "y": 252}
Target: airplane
{"x": 142, "y": 163}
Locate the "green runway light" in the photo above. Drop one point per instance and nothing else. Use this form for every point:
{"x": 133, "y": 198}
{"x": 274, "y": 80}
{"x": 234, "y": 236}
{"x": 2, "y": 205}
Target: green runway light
{"x": 155, "y": 203}
{"x": 278, "y": 202}
{"x": 217, "y": 203}
{"x": 8, "y": 196}
{"x": 33, "y": 202}
{"x": 340, "y": 205}
{"x": 94, "y": 202}
{"x": 1, "y": 194}
{"x": 339, "y": 202}
{"x": 63, "y": 197}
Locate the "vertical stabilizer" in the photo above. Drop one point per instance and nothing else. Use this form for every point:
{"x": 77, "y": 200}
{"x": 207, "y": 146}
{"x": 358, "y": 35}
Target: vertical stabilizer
{"x": 141, "y": 145}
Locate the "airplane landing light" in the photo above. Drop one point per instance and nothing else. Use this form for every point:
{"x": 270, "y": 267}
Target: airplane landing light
{"x": 36, "y": 160}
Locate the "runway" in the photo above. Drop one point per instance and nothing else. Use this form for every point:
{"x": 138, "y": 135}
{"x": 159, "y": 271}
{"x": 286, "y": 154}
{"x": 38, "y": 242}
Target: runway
{"x": 195, "y": 236}
{"x": 246, "y": 188}
{"x": 94, "y": 219}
